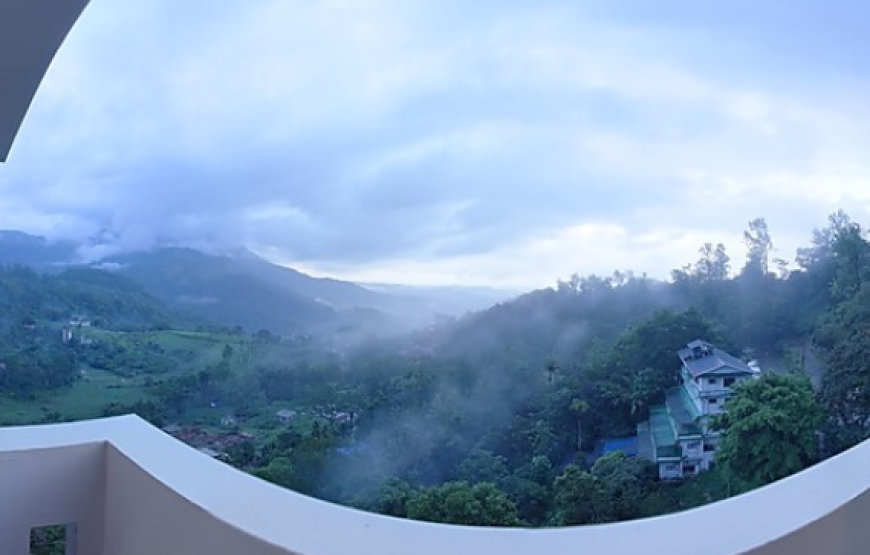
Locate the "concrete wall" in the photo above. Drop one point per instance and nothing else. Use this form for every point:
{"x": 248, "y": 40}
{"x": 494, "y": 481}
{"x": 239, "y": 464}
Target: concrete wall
{"x": 714, "y": 407}
{"x": 705, "y": 385}
{"x": 134, "y": 527}
{"x": 692, "y": 448}
{"x": 670, "y": 470}
{"x": 42, "y": 487}
{"x": 134, "y": 490}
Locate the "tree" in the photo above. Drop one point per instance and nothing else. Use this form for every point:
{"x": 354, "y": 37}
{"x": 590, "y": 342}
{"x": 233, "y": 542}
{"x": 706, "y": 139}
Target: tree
{"x": 279, "y": 471}
{"x": 844, "y": 341}
{"x": 533, "y": 500}
{"x": 768, "y": 430}
{"x": 482, "y": 504}
{"x": 624, "y": 480}
{"x": 580, "y": 498}
{"x": 552, "y": 368}
{"x": 530, "y": 488}
{"x": 759, "y": 245}
{"x": 822, "y": 269}
{"x": 822, "y": 248}
{"x": 595, "y": 284}
{"x": 579, "y": 407}
{"x": 713, "y": 265}
{"x": 242, "y": 454}
{"x": 570, "y": 286}
{"x": 721, "y": 263}
{"x": 393, "y": 498}
{"x": 851, "y": 256}
{"x": 483, "y": 466}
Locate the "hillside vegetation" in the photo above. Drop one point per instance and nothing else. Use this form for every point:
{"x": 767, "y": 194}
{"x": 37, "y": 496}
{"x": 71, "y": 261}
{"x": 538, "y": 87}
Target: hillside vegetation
{"x": 495, "y": 419}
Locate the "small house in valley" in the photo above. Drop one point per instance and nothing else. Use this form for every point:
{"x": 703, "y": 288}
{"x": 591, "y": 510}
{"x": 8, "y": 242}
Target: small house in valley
{"x": 286, "y": 416}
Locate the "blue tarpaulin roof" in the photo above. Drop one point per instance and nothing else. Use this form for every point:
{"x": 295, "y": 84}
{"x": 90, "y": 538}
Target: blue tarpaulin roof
{"x": 627, "y": 445}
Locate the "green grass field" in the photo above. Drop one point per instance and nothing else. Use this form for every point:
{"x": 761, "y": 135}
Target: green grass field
{"x": 85, "y": 399}
{"x": 97, "y": 389}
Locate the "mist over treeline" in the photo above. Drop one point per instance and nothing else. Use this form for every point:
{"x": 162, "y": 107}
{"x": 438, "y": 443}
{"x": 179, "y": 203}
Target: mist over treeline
{"x": 525, "y": 384}
{"x": 495, "y": 418}
{"x": 511, "y": 395}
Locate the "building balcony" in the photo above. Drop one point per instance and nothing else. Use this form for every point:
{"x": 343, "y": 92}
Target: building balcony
{"x": 714, "y": 392}
{"x": 130, "y": 489}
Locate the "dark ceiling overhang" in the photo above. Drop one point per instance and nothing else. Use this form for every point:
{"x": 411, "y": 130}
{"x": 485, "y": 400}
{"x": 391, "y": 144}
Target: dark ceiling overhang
{"x": 31, "y": 31}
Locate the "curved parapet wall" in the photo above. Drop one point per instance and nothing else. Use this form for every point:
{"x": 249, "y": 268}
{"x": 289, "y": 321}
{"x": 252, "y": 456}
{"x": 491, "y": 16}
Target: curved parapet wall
{"x": 133, "y": 490}
{"x": 31, "y": 31}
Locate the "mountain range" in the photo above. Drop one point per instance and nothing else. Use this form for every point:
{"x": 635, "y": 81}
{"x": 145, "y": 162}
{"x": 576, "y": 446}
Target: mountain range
{"x": 239, "y": 288}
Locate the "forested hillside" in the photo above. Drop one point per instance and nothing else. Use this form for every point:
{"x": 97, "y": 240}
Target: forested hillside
{"x": 497, "y": 418}
{"x": 236, "y": 287}
{"x": 217, "y": 289}
{"x": 20, "y": 248}
{"x": 35, "y": 308}
{"x": 109, "y": 300}
{"x": 240, "y": 288}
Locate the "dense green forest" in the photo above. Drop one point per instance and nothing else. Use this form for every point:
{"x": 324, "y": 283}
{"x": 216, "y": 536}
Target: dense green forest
{"x": 492, "y": 419}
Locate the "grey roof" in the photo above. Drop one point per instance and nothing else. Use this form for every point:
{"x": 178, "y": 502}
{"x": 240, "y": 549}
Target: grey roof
{"x": 717, "y": 360}
{"x": 699, "y": 343}
{"x": 31, "y": 31}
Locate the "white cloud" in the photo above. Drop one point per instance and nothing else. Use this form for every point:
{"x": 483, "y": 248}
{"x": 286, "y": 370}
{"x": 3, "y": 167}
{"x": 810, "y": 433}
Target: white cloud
{"x": 509, "y": 143}
{"x": 589, "y": 248}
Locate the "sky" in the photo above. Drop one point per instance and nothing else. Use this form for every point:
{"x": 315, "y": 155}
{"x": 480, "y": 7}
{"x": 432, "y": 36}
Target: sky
{"x": 506, "y": 143}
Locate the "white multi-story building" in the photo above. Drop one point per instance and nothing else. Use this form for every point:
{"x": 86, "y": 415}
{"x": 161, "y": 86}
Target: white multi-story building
{"x": 678, "y": 436}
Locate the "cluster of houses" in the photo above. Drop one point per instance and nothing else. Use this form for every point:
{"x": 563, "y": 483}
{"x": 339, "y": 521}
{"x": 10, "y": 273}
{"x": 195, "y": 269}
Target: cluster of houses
{"x": 72, "y": 330}
{"x": 286, "y": 416}
{"x": 213, "y": 445}
{"x": 678, "y": 436}
{"x": 216, "y": 445}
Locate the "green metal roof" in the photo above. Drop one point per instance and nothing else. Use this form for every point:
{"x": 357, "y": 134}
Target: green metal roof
{"x": 645, "y": 449}
{"x": 661, "y": 429}
{"x": 683, "y": 411}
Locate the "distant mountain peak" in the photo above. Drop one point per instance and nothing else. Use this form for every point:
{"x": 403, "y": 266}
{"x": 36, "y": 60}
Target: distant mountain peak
{"x": 241, "y": 286}
{"x": 243, "y": 253}
{"x": 18, "y": 247}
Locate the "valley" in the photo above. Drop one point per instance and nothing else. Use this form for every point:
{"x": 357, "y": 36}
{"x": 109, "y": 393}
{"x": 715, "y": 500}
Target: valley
{"x": 519, "y": 414}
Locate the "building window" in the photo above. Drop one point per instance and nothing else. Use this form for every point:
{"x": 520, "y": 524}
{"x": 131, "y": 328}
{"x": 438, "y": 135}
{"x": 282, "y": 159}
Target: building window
{"x": 711, "y": 381}
{"x": 728, "y": 382}
{"x": 709, "y": 447}
{"x": 713, "y": 401}
{"x": 689, "y": 469}
{"x": 52, "y": 540}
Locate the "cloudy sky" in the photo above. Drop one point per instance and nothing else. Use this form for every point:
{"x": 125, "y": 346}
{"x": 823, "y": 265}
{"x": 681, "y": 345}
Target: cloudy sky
{"x": 498, "y": 142}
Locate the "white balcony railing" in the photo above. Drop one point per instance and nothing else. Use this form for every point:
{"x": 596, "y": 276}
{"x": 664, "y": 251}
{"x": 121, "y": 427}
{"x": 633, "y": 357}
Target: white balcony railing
{"x": 130, "y": 489}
